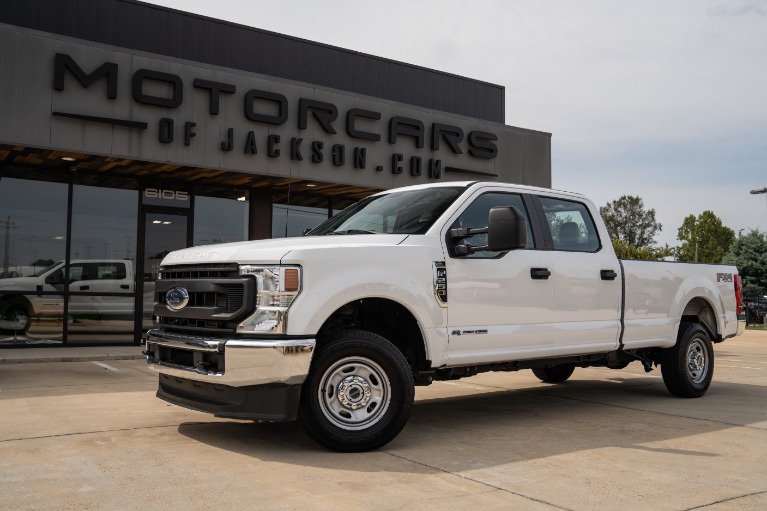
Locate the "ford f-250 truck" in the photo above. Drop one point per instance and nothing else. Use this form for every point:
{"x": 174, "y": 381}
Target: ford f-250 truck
{"x": 424, "y": 283}
{"x": 43, "y": 299}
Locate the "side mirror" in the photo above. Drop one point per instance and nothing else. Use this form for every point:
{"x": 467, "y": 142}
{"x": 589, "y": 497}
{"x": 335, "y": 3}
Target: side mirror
{"x": 506, "y": 229}
{"x": 56, "y": 278}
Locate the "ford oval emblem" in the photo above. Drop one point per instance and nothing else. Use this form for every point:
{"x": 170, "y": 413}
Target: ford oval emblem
{"x": 177, "y": 298}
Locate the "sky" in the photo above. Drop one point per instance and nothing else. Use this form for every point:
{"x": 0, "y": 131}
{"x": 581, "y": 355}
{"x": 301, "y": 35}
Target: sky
{"x": 664, "y": 99}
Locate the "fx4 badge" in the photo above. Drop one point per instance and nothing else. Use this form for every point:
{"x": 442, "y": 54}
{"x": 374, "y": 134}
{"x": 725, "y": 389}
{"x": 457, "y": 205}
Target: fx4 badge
{"x": 724, "y": 277}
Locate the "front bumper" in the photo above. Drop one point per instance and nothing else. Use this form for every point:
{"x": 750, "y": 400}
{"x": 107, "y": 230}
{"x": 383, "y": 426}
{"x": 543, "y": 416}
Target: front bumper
{"x": 235, "y": 362}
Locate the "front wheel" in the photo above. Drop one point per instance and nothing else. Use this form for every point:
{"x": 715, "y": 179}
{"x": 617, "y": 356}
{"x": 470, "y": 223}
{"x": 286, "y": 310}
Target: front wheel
{"x": 15, "y": 319}
{"x": 359, "y": 392}
{"x": 688, "y": 367}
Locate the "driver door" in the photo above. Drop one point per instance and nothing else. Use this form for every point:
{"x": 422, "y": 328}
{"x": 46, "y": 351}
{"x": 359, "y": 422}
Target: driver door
{"x": 79, "y": 277}
{"x": 499, "y": 307}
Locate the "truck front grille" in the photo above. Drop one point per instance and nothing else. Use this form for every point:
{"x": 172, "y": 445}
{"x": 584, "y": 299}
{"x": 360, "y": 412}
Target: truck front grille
{"x": 235, "y": 298}
{"x": 219, "y": 298}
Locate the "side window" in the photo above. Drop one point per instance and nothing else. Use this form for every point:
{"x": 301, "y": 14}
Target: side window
{"x": 77, "y": 272}
{"x": 571, "y": 225}
{"x": 110, "y": 271}
{"x": 475, "y": 216}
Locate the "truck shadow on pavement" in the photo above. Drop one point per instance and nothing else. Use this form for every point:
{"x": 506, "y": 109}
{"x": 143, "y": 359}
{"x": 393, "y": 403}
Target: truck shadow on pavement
{"x": 495, "y": 427}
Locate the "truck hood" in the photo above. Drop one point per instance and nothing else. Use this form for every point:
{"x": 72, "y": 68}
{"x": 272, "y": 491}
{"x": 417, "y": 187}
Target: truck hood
{"x": 274, "y": 250}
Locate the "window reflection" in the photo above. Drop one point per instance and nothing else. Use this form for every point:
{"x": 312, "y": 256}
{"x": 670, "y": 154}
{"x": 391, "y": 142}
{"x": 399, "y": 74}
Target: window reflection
{"x": 220, "y": 215}
{"x": 33, "y": 219}
{"x": 101, "y": 276}
{"x": 288, "y": 221}
{"x": 104, "y": 223}
{"x": 33, "y": 224}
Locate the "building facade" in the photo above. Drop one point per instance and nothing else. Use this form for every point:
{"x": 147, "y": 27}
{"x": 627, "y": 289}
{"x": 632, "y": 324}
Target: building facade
{"x": 129, "y": 130}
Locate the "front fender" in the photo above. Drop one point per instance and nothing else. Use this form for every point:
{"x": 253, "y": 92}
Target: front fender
{"x": 315, "y": 305}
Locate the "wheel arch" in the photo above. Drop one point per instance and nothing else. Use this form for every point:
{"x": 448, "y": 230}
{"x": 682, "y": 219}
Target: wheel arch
{"x": 7, "y": 301}
{"x": 385, "y": 317}
{"x": 701, "y": 302}
{"x": 700, "y": 310}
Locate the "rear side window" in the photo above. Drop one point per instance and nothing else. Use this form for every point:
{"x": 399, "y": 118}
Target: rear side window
{"x": 572, "y": 228}
{"x": 114, "y": 271}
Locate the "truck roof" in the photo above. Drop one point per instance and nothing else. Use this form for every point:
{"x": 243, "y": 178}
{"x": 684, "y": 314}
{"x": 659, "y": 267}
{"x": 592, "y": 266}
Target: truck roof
{"x": 469, "y": 184}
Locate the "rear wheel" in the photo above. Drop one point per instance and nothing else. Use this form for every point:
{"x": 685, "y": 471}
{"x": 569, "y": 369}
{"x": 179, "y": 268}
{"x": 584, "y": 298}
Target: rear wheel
{"x": 688, "y": 367}
{"x": 359, "y": 392}
{"x": 554, "y": 374}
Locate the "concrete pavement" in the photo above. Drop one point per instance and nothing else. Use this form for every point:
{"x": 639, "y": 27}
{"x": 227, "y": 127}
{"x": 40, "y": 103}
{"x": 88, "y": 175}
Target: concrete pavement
{"x": 93, "y": 436}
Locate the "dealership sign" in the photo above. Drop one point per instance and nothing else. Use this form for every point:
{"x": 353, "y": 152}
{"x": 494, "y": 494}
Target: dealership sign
{"x": 269, "y": 114}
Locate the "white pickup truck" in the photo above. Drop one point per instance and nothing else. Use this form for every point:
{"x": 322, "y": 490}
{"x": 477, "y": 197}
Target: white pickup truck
{"x": 39, "y": 297}
{"x": 424, "y": 283}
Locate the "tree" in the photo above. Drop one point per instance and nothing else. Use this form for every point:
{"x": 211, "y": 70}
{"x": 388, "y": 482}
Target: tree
{"x": 628, "y": 221}
{"x": 749, "y": 254}
{"x": 712, "y": 238}
{"x": 626, "y": 251}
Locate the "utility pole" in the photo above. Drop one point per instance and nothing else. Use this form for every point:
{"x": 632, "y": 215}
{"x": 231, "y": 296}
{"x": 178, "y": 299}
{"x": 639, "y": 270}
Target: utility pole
{"x": 6, "y": 252}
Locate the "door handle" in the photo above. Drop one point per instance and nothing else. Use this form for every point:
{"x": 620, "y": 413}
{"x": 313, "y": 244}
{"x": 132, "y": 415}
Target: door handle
{"x": 124, "y": 286}
{"x": 84, "y": 288}
{"x": 539, "y": 273}
{"x": 608, "y": 275}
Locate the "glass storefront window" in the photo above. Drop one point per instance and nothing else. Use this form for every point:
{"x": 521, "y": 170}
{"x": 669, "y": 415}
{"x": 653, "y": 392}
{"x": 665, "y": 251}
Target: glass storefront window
{"x": 220, "y": 215}
{"x": 33, "y": 226}
{"x": 104, "y": 223}
{"x": 101, "y": 275}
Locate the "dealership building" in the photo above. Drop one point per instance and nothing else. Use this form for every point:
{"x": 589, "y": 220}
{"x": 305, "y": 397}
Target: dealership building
{"x": 128, "y": 130}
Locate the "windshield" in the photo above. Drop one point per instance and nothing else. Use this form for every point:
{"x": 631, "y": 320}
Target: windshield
{"x": 405, "y": 212}
{"x": 45, "y": 270}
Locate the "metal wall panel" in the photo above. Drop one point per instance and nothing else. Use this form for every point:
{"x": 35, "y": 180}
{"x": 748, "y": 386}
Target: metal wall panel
{"x": 135, "y": 25}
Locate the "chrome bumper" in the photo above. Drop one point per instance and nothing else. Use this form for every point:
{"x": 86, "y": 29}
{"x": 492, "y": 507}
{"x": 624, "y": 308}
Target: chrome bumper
{"x": 246, "y": 362}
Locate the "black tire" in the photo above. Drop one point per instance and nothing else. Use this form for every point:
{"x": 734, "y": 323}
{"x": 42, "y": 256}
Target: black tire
{"x": 15, "y": 319}
{"x": 554, "y": 374}
{"x": 688, "y": 366}
{"x": 358, "y": 394}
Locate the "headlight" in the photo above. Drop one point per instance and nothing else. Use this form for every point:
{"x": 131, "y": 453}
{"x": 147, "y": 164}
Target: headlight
{"x": 277, "y": 287}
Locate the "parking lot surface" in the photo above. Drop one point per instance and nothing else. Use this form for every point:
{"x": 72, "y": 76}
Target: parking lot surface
{"x": 91, "y": 435}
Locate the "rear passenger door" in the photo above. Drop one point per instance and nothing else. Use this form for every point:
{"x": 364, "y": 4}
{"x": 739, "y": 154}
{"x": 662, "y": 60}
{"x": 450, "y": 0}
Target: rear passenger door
{"x": 497, "y": 309}
{"x": 586, "y": 279}
{"x": 112, "y": 277}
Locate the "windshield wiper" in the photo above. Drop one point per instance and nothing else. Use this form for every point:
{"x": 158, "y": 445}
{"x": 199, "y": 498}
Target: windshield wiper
{"x": 353, "y": 231}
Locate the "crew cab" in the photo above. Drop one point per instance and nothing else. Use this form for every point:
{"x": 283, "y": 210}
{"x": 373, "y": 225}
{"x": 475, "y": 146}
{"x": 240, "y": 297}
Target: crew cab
{"x": 424, "y": 283}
